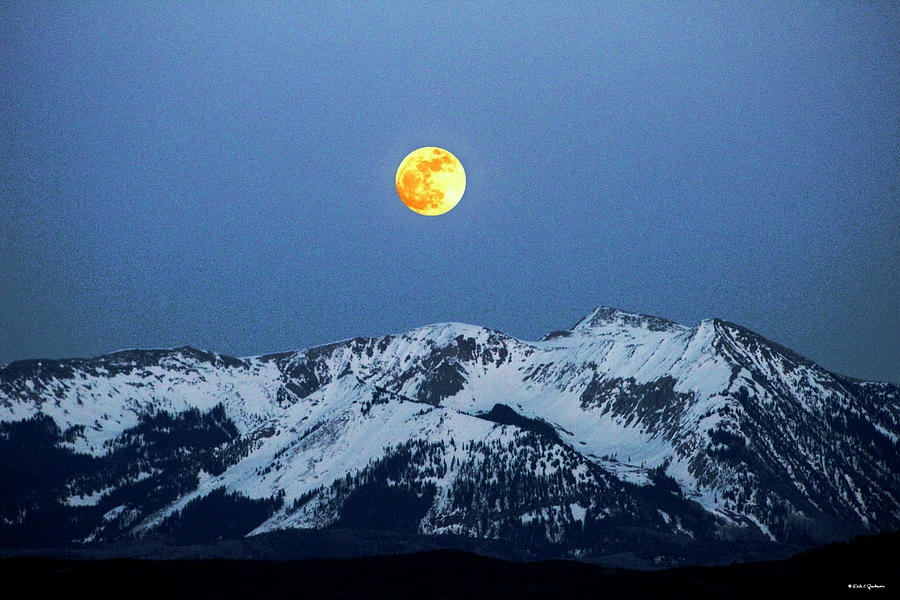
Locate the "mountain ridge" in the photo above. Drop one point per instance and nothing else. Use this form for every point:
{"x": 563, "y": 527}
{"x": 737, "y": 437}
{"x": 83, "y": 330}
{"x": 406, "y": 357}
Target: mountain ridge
{"x": 627, "y": 420}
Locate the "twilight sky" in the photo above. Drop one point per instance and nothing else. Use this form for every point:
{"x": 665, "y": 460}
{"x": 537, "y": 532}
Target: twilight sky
{"x": 222, "y": 174}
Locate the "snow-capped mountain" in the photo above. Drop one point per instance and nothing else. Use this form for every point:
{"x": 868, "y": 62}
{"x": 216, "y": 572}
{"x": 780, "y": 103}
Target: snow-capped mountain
{"x": 624, "y": 428}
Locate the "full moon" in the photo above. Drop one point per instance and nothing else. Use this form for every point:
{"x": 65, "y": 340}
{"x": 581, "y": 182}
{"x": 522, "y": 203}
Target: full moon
{"x": 430, "y": 181}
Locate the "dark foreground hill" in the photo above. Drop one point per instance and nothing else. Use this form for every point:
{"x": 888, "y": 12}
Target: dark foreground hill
{"x": 864, "y": 567}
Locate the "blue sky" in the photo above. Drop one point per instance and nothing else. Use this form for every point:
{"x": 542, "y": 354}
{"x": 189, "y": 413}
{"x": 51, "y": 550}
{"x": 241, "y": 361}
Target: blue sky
{"x": 222, "y": 174}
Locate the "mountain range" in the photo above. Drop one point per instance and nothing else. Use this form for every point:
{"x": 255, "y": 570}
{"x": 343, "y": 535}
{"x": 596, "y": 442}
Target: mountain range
{"x": 625, "y": 434}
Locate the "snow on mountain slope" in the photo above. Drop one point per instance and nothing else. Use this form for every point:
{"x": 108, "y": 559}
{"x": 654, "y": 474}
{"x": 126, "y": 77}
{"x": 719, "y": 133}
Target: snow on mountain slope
{"x": 105, "y": 396}
{"x": 625, "y": 420}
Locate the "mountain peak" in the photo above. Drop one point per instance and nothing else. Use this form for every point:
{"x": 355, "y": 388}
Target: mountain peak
{"x": 606, "y": 316}
{"x": 705, "y": 433}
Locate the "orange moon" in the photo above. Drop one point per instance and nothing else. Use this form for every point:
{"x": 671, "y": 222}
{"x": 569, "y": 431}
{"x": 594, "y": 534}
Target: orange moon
{"x": 430, "y": 181}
